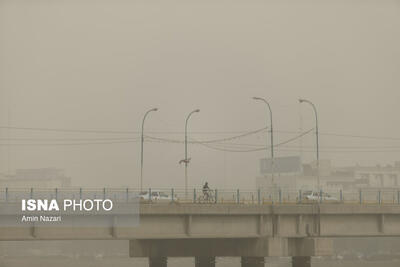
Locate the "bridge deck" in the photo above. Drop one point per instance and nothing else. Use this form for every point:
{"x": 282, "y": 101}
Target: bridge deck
{"x": 183, "y": 221}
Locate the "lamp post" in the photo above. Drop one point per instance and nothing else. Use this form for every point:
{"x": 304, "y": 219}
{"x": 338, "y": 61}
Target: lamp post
{"x": 316, "y": 133}
{"x": 272, "y": 136}
{"x": 141, "y": 150}
{"x": 186, "y": 156}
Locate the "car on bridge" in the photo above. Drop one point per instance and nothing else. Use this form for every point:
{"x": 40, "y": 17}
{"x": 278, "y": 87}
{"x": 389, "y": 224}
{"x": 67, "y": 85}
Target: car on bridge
{"x": 313, "y": 196}
{"x": 156, "y": 195}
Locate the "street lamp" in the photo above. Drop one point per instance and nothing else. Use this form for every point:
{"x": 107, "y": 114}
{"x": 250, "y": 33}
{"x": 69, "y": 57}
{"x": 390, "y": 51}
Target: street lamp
{"x": 186, "y": 161}
{"x": 316, "y": 133}
{"x": 272, "y": 137}
{"x": 141, "y": 150}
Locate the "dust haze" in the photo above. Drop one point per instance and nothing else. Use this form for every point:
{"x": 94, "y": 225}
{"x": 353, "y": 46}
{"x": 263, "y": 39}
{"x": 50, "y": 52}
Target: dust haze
{"x": 99, "y": 65}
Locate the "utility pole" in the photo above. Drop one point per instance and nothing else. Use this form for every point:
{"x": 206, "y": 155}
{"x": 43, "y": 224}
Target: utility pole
{"x": 141, "y": 148}
{"x": 271, "y": 136}
{"x": 316, "y": 134}
{"x": 186, "y": 151}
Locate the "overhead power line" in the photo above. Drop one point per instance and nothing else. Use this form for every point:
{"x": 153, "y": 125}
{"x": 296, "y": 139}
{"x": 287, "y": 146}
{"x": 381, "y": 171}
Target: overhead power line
{"x": 70, "y": 139}
{"x": 343, "y": 151}
{"x": 71, "y": 144}
{"x": 65, "y": 130}
{"x": 46, "y": 129}
{"x": 360, "y": 136}
{"x": 205, "y": 141}
{"x": 120, "y": 140}
{"x": 255, "y": 149}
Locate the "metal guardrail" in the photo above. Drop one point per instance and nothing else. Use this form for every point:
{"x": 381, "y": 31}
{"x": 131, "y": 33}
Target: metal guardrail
{"x": 217, "y": 196}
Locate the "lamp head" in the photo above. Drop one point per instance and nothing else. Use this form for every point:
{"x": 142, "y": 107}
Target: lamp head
{"x": 197, "y": 110}
{"x": 154, "y": 109}
{"x": 256, "y": 98}
{"x": 301, "y": 100}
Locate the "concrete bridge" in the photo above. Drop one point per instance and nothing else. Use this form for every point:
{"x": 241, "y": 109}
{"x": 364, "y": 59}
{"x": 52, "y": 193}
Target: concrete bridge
{"x": 206, "y": 231}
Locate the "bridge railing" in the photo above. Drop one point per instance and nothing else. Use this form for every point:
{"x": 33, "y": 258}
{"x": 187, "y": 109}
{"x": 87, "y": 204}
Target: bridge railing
{"x": 218, "y": 196}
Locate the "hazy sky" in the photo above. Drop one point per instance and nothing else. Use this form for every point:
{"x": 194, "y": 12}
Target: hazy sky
{"x": 101, "y": 64}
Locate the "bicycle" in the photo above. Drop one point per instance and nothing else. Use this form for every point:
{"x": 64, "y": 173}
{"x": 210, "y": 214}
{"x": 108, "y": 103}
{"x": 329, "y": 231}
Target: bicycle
{"x": 207, "y": 197}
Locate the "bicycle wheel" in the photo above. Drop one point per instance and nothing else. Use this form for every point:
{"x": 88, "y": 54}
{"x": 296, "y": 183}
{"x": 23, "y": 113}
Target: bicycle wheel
{"x": 200, "y": 199}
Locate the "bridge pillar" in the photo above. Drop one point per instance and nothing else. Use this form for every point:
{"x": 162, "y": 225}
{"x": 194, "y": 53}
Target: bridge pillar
{"x": 204, "y": 261}
{"x": 158, "y": 262}
{"x": 253, "y": 262}
{"x": 301, "y": 261}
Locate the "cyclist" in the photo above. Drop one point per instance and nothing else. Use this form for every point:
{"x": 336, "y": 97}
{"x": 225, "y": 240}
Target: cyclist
{"x": 206, "y": 191}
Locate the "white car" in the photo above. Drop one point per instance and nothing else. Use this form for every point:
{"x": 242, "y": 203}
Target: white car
{"x": 155, "y": 195}
{"x": 315, "y": 196}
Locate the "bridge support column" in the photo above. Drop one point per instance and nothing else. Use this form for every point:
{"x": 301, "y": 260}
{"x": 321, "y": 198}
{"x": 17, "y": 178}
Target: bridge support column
{"x": 303, "y": 261}
{"x": 204, "y": 261}
{"x": 253, "y": 262}
{"x": 158, "y": 262}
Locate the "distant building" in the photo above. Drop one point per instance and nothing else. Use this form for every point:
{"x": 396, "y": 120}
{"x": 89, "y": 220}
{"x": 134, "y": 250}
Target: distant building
{"x": 332, "y": 178}
{"x": 375, "y": 177}
{"x": 36, "y": 178}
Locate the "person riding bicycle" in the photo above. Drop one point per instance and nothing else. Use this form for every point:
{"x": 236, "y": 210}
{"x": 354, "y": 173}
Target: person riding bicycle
{"x": 206, "y": 191}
